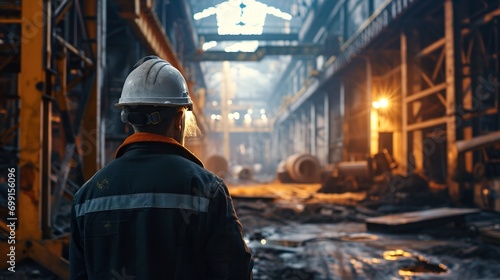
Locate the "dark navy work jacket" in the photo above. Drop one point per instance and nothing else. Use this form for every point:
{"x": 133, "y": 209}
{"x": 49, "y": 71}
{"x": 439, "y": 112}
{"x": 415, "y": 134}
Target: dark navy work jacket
{"x": 155, "y": 213}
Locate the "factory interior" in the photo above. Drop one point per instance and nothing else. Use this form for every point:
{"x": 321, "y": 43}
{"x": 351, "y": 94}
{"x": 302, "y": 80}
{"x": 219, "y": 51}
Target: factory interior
{"x": 359, "y": 139}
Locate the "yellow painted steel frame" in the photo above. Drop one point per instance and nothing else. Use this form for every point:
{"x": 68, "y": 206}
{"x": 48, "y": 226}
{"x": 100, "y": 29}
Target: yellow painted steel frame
{"x": 34, "y": 154}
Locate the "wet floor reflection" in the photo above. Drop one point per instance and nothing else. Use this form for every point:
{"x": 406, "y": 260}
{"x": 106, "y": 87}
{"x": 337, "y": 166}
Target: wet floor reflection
{"x": 421, "y": 265}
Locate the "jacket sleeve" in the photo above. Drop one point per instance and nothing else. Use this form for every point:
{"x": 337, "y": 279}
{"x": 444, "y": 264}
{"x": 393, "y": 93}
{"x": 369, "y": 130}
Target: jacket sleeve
{"x": 228, "y": 254}
{"x": 76, "y": 254}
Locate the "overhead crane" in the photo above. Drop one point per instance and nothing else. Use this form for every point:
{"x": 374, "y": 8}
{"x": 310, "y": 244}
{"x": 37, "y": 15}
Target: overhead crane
{"x": 302, "y": 50}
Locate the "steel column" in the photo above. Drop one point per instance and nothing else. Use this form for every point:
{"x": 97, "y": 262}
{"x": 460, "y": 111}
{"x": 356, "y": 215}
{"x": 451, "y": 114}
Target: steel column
{"x": 46, "y": 168}
{"x": 31, "y": 81}
{"x": 313, "y": 133}
{"x": 34, "y": 85}
{"x": 368, "y": 101}
{"x": 451, "y": 129}
{"x": 404, "y": 102}
{"x": 343, "y": 125}
{"x": 304, "y": 125}
{"x": 327, "y": 127}
{"x": 224, "y": 108}
{"x": 91, "y": 125}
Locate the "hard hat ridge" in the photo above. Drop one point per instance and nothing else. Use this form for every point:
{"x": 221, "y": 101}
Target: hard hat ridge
{"x": 155, "y": 82}
{"x": 144, "y": 59}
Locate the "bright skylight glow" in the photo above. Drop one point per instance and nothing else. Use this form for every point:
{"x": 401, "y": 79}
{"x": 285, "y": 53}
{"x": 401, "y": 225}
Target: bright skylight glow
{"x": 205, "y": 13}
{"x": 241, "y": 17}
{"x": 209, "y": 45}
{"x": 247, "y": 46}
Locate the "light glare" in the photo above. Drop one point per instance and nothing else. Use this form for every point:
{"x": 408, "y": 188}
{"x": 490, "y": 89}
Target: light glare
{"x": 209, "y": 45}
{"x": 384, "y": 103}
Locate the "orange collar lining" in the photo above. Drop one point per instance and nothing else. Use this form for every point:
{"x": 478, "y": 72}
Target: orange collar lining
{"x": 141, "y": 137}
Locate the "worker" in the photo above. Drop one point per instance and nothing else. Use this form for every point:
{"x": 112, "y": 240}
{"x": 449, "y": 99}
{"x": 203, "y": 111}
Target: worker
{"x": 154, "y": 212}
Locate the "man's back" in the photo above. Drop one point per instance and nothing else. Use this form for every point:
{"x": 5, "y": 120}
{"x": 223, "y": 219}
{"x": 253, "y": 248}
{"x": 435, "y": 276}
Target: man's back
{"x": 156, "y": 213}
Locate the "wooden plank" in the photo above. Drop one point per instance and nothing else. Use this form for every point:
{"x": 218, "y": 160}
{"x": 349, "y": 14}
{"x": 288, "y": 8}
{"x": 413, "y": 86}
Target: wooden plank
{"x": 411, "y": 221}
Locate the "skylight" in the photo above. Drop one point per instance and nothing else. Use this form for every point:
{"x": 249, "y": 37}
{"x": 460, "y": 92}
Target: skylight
{"x": 241, "y": 17}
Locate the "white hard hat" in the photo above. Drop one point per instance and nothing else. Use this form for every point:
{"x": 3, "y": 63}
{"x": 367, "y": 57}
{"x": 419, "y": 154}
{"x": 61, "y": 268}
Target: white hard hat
{"x": 155, "y": 82}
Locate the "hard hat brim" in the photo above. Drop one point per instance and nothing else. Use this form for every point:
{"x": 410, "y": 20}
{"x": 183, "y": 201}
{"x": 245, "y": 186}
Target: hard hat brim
{"x": 189, "y": 106}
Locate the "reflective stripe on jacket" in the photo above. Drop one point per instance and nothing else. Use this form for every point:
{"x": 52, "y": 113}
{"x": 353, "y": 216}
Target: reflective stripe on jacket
{"x": 155, "y": 213}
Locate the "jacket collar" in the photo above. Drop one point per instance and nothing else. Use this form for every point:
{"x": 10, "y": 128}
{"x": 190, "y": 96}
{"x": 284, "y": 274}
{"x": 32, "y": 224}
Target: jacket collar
{"x": 141, "y": 137}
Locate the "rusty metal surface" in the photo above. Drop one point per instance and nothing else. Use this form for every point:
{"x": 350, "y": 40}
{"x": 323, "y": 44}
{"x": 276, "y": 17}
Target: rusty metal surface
{"x": 299, "y": 168}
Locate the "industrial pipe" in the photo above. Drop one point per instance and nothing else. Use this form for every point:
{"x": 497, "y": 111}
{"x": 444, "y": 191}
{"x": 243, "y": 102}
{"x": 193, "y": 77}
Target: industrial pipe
{"x": 358, "y": 169}
{"x": 243, "y": 173}
{"x": 478, "y": 142}
{"x": 218, "y": 165}
{"x": 299, "y": 168}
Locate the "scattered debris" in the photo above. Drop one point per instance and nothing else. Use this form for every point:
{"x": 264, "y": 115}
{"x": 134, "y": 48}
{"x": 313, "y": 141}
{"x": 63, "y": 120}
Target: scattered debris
{"x": 299, "y": 168}
{"x": 303, "y": 234}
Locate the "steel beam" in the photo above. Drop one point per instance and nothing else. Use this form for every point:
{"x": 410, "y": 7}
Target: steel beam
{"x": 74, "y": 50}
{"x": 10, "y": 21}
{"x": 439, "y": 63}
{"x": 485, "y": 18}
{"x": 426, "y": 92}
{"x": 426, "y": 124}
{"x": 261, "y": 37}
{"x": 61, "y": 10}
{"x": 394, "y": 71}
{"x": 309, "y": 50}
{"x": 242, "y": 129}
{"x": 432, "y": 47}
